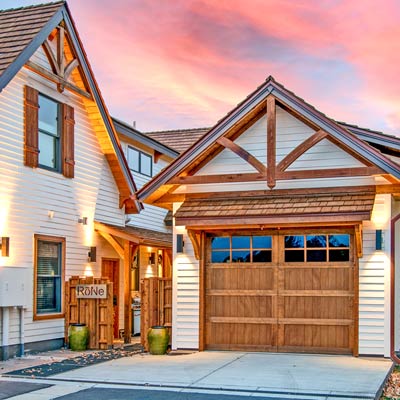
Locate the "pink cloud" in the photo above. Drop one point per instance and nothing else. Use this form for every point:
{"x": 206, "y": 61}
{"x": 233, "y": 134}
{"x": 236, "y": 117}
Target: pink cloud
{"x": 192, "y": 61}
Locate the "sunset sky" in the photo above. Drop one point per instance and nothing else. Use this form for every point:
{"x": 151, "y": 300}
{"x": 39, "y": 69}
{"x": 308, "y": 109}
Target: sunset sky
{"x": 186, "y": 63}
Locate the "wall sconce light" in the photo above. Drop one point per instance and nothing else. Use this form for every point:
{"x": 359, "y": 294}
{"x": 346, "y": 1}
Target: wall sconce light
{"x": 83, "y": 220}
{"x": 378, "y": 239}
{"x": 92, "y": 254}
{"x": 152, "y": 258}
{"x": 5, "y": 246}
{"x": 179, "y": 243}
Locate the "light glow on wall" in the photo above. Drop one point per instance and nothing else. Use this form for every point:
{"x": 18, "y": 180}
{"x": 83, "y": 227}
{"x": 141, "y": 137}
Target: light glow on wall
{"x": 88, "y": 271}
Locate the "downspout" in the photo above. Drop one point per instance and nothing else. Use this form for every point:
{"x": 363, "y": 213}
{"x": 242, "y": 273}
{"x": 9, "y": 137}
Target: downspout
{"x": 393, "y": 354}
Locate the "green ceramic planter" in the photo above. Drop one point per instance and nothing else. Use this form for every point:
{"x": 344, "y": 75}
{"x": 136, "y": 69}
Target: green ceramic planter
{"x": 78, "y": 337}
{"x": 158, "y": 338}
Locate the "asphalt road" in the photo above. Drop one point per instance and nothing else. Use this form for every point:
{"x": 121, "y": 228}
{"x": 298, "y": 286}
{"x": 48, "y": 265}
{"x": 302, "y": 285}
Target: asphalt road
{"x": 140, "y": 394}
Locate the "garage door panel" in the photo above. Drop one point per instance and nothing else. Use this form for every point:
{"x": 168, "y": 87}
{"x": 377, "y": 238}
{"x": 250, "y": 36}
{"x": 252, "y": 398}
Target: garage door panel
{"x": 316, "y": 338}
{"x": 317, "y": 278}
{"x": 318, "y": 307}
{"x": 233, "y": 336}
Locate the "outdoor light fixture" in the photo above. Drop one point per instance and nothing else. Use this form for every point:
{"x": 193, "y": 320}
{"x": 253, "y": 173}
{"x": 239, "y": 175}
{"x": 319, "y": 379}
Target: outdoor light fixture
{"x": 92, "y": 254}
{"x": 378, "y": 239}
{"x": 152, "y": 258}
{"x": 5, "y": 246}
{"x": 179, "y": 243}
{"x": 83, "y": 220}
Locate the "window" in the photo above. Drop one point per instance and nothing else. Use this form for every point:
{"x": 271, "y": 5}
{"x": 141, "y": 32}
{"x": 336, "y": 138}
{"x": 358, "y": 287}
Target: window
{"x": 243, "y": 249}
{"x": 140, "y": 162}
{"x": 317, "y": 248}
{"x": 49, "y": 276}
{"x": 49, "y": 133}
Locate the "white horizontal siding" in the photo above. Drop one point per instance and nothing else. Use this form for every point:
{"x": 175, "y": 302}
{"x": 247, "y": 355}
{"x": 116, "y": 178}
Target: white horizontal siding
{"x": 27, "y": 195}
{"x": 151, "y": 217}
{"x": 374, "y": 271}
{"x": 185, "y": 312}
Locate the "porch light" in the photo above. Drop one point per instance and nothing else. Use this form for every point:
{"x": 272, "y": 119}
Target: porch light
{"x": 179, "y": 243}
{"x": 378, "y": 239}
{"x": 92, "y": 254}
{"x": 5, "y": 246}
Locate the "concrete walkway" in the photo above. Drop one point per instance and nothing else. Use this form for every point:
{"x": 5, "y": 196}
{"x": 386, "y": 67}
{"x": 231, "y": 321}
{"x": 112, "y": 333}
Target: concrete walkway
{"x": 263, "y": 374}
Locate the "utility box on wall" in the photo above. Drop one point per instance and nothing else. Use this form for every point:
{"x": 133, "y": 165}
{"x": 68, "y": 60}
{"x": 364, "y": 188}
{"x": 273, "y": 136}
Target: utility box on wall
{"x": 13, "y": 286}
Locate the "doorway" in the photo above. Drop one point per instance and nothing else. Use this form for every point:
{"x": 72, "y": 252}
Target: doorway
{"x": 110, "y": 270}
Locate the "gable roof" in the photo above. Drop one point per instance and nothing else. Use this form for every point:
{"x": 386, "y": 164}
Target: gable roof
{"x": 131, "y": 133}
{"x": 22, "y": 32}
{"x": 182, "y": 139}
{"x": 178, "y": 139}
{"x": 298, "y": 105}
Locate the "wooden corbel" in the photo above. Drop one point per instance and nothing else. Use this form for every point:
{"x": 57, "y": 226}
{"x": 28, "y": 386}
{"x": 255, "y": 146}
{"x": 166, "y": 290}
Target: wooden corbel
{"x": 195, "y": 239}
{"x": 359, "y": 240}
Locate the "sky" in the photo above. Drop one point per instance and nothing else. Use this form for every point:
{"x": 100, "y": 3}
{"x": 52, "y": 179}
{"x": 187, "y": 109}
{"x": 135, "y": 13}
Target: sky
{"x": 186, "y": 63}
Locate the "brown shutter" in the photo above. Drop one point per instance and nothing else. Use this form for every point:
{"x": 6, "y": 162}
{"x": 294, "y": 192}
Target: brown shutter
{"x": 31, "y": 145}
{"x": 67, "y": 138}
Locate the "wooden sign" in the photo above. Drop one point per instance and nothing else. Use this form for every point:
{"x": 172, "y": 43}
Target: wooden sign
{"x": 91, "y": 291}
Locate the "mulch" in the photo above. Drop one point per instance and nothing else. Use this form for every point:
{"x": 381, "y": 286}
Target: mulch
{"x": 392, "y": 387}
{"x": 85, "y": 360}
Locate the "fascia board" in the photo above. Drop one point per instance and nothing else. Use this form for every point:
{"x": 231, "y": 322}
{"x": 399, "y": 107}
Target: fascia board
{"x": 99, "y": 101}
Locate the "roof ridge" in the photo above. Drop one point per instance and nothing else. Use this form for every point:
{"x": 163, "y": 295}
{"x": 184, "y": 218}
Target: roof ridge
{"x": 51, "y": 3}
{"x": 178, "y": 130}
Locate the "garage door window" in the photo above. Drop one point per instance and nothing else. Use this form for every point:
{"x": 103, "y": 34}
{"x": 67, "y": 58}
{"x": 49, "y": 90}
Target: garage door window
{"x": 317, "y": 248}
{"x": 241, "y": 249}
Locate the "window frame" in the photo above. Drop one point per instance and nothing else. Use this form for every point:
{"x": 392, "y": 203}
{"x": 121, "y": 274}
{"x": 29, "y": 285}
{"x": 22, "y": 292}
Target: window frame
{"x": 140, "y": 154}
{"x": 58, "y": 240}
{"x": 305, "y": 248}
{"x": 58, "y": 147}
{"x": 233, "y": 249}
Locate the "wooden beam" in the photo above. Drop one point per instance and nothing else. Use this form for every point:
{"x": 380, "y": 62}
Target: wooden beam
{"x": 328, "y": 173}
{"x": 114, "y": 243}
{"x": 202, "y": 292}
{"x": 60, "y": 51}
{"x": 244, "y": 154}
{"x": 51, "y": 56}
{"x": 157, "y": 156}
{"x": 70, "y": 67}
{"x": 195, "y": 242}
{"x": 388, "y": 189}
{"x": 331, "y": 219}
{"x": 271, "y": 141}
{"x": 359, "y": 240}
{"x": 301, "y": 149}
{"x": 101, "y": 228}
{"x": 223, "y": 178}
{"x": 128, "y": 251}
{"x": 55, "y": 78}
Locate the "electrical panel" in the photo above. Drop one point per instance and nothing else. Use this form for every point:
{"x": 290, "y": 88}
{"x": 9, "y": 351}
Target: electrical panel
{"x": 13, "y": 286}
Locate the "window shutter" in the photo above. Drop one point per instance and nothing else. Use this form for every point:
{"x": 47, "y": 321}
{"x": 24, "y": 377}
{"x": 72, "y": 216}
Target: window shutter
{"x": 31, "y": 147}
{"x": 67, "y": 138}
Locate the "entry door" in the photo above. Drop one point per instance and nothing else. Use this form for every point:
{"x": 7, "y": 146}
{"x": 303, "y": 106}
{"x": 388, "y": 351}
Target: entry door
{"x": 286, "y": 291}
{"x": 110, "y": 269}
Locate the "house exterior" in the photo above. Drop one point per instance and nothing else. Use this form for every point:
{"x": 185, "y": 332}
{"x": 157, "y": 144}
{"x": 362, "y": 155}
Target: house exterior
{"x": 65, "y": 180}
{"x": 288, "y": 222}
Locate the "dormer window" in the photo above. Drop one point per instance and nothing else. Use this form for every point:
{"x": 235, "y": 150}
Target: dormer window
{"x": 140, "y": 162}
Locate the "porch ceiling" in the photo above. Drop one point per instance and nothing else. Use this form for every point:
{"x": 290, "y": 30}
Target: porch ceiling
{"x": 140, "y": 236}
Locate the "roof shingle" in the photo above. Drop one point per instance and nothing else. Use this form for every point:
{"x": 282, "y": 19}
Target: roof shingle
{"x": 19, "y": 26}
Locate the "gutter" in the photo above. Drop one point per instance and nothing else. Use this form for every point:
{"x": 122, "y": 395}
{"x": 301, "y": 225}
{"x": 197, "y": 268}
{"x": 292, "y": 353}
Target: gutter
{"x": 393, "y": 354}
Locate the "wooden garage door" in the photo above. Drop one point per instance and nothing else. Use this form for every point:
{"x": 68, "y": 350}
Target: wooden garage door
{"x": 286, "y": 291}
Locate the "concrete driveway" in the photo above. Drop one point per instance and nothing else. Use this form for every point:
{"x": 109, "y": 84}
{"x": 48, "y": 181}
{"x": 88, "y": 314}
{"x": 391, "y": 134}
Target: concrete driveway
{"x": 263, "y": 374}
